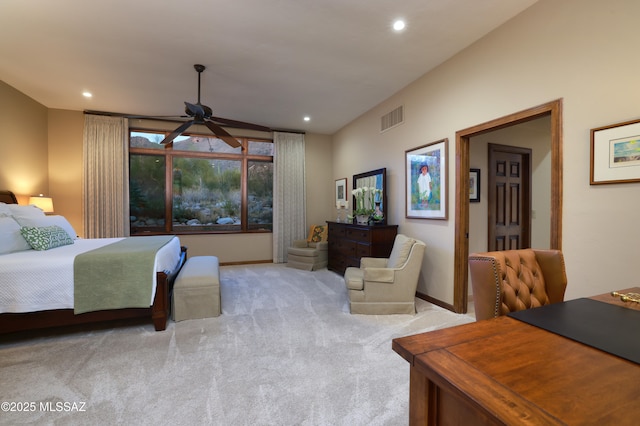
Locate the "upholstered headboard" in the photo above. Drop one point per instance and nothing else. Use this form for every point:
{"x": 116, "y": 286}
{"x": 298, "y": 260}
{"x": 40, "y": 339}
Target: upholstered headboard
{"x": 8, "y": 197}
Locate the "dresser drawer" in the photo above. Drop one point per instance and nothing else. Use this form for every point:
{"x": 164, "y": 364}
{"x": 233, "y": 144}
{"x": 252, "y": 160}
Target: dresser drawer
{"x": 363, "y": 250}
{"x": 336, "y": 231}
{"x": 344, "y": 247}
{"x": 356, "y": 234}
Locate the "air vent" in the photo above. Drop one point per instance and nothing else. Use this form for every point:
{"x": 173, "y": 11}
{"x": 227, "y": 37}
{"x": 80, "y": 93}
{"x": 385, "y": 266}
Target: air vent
{"x": 392, "y": 119}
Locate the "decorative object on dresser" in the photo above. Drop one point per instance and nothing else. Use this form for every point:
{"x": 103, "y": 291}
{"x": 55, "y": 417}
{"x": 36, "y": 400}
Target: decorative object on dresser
{"x": 370, "y": 197}
{"x": 350, "y": 242}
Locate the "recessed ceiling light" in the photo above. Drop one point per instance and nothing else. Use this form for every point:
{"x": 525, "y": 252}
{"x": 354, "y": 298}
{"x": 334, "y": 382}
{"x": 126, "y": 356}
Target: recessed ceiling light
{"x": 307, "y": 118}
{"x": 87, "y": 94}
{"x": 399, "y": 25}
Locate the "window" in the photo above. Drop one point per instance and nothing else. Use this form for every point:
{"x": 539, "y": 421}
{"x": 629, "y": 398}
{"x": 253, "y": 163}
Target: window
{"x": 199, "y": 184}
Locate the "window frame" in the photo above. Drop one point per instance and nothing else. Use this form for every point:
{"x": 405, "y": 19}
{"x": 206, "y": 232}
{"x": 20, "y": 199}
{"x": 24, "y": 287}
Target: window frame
{"x": 169, "y": 154}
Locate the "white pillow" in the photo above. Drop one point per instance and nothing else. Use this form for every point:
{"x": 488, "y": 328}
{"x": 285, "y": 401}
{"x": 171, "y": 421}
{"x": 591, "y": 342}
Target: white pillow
{"x": 10, "y": 237}
{"x": 4, "y": 210}
{"x": 25, "y": 211}
{"x": 41, "y": 222}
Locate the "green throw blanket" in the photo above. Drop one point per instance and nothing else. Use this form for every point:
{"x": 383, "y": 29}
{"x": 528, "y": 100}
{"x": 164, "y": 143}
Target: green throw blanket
{"x": 119, "y": 275}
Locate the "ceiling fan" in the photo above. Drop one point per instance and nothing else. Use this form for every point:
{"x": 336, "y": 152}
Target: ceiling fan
{"x": 201, "y": 114}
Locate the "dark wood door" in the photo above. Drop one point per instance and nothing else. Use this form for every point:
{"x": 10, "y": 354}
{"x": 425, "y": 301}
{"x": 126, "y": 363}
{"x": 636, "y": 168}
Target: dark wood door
{"x": 509, "y": 197}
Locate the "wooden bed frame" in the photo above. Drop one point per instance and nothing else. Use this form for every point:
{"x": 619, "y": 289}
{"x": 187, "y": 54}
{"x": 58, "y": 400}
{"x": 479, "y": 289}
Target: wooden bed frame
{"x": 159, "y": 311}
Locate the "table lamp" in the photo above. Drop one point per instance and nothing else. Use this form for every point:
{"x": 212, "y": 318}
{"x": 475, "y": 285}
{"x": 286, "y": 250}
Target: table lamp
{"x": 44, "y": 203}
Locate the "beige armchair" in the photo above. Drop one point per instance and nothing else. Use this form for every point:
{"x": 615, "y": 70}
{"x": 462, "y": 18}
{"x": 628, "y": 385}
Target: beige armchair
{"x": 513, "y": 280}
{"x": 383, "y": 286}
{"x": 310, "y": 254}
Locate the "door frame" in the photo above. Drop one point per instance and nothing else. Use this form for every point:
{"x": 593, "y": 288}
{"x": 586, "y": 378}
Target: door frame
{"x": 461, "y": 246}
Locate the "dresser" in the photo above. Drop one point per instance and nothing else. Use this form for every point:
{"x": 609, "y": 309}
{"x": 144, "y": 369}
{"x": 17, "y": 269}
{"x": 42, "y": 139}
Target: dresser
{"x": 349, "y": 242}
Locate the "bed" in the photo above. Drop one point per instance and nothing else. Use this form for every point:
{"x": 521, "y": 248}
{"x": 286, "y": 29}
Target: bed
{"x": 39, "y": 286}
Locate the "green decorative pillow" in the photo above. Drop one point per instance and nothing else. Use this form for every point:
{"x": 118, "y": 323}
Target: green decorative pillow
{"x": 46, "y": 237}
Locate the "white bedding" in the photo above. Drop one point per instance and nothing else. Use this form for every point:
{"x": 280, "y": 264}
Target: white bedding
{"x": 33, "y": 280}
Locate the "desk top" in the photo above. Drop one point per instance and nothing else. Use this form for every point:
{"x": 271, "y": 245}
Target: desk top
{"x": 523, "y": 374}
{"x": 605, "y": 326}
{"x": 608, "y": 298}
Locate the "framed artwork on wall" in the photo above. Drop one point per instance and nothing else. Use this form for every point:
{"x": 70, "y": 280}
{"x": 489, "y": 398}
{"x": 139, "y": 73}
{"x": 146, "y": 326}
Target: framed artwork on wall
{"x": 341, "y": 192}
{"x": 615, "y": 153}
{"x": 474, "y": 185}
{"x": 426, "y": 181}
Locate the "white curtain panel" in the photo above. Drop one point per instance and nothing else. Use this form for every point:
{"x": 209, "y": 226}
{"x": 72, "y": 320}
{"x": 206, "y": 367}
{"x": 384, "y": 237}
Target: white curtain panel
{"x": 289, "y": 197}
{"x": 106, "y": 176}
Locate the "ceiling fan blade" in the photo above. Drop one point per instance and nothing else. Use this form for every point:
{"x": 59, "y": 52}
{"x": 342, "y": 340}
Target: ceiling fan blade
{"x": 240, "y": 124}
{"x": 222, "y": 134}
{"x": 176, "y": 132}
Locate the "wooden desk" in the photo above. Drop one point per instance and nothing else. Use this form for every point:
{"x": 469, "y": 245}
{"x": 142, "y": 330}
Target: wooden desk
{"x": 504, "y": 371}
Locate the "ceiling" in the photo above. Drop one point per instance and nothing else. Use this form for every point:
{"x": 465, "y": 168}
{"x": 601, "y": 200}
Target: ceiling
{"x": 269, "y": 62}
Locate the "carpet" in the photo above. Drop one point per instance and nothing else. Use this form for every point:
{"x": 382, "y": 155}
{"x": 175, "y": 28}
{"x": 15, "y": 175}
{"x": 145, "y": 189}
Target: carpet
{"x": 285, "y": 351}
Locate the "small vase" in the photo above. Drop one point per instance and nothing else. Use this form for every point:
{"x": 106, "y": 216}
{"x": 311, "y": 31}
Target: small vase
{"x": 362, "y": 219}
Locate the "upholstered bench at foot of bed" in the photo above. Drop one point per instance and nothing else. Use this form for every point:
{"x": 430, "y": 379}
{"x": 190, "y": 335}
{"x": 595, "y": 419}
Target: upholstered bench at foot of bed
{"x": 196, "y": 292}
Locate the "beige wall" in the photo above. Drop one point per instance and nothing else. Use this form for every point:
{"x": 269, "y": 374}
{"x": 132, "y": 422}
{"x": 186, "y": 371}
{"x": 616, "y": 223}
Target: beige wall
{"x": 23, "y": 146}
{"x": 577, "y": 50}
{"x": 65, "y": 165}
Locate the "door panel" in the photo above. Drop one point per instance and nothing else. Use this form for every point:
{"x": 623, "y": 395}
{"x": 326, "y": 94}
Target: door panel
{"x": 509, "y": 197}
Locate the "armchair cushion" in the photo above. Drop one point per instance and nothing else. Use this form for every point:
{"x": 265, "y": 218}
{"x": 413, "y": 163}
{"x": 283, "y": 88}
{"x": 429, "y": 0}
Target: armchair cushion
{"x": 300, "y": 244}
{"x": 381, "y": 275}
{"x": 400, "y": 251}
{"x": 304, "y": 248}
{"x": 373, "y": 262}
{"x": 354, "y": 278}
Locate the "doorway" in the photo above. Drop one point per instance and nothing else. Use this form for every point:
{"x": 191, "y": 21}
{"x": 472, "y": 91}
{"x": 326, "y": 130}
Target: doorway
{"x": 461, "y": 251}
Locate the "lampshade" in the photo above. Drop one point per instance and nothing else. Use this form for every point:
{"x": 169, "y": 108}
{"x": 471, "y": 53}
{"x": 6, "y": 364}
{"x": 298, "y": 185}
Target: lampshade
{"x": 44, "y": 203}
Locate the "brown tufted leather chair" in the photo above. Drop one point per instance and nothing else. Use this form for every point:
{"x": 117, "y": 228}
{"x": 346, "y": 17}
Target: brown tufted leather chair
{"x": 513, "y": 280}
